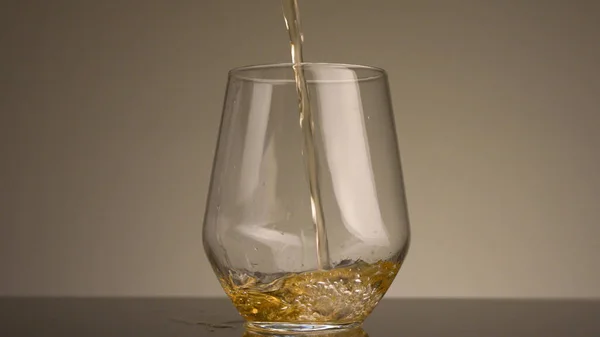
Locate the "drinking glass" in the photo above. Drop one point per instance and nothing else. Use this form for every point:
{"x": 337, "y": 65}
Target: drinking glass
{"x": 259, "y": 229}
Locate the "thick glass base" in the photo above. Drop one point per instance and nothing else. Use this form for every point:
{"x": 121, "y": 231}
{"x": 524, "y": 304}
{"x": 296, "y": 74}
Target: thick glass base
{"x": 282, "y": 327}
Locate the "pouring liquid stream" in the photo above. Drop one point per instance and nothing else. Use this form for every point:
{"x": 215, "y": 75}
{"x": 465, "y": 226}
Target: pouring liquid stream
{"x": 291, "y": 16}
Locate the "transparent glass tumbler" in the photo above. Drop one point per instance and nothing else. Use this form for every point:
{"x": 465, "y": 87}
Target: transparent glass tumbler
{"x": 281, "y": 273}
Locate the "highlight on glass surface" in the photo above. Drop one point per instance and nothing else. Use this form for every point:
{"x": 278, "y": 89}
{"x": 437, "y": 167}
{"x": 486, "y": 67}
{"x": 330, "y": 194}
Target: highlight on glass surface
{"x": 306, "y": 223}
{"x": 355, "y": 332}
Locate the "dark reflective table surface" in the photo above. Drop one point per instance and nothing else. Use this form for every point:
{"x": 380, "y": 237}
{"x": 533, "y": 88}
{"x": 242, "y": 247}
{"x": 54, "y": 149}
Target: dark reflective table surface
{"x": 182, "y": 317}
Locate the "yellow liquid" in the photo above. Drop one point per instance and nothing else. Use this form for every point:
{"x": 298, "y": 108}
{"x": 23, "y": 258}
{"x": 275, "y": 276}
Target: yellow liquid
{"x": 345, "y": 294}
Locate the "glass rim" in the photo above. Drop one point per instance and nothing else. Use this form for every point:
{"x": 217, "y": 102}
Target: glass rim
{"x": 238, "y": 73}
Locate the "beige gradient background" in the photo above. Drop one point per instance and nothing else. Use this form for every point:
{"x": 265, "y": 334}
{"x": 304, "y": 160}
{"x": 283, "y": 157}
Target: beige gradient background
{"x": 109, "y": 113}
